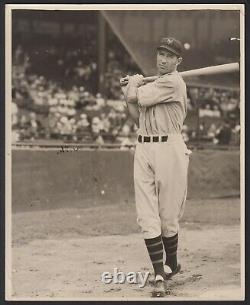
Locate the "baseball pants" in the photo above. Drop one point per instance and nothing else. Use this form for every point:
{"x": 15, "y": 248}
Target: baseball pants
{"x": 160, "y": 180}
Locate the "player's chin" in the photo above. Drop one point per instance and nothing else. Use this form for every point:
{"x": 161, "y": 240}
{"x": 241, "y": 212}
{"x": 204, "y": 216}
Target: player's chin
{"x": 162, "y": 70}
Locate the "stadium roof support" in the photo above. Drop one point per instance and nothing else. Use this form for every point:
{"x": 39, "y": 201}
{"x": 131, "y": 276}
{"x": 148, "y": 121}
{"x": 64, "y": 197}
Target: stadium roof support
{"x": 102, "y": 30}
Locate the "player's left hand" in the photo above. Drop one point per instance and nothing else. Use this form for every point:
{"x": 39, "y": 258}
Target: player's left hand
{"x": 124, "y": 81}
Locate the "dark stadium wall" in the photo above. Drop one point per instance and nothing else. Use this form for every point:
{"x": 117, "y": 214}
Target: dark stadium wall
{"x": 48, "y": 180}
{"x": 207, "y": 32}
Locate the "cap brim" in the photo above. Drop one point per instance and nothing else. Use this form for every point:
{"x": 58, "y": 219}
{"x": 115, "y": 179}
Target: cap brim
{"x": 168, "y": 49}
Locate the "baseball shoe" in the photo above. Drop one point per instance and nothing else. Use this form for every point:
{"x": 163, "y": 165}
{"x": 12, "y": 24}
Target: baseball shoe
{"x": 169, "y": 273}
{"x": 160, "y": 287}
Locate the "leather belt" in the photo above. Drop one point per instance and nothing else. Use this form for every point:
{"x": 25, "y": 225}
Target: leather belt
{"x": 152, "y": 139}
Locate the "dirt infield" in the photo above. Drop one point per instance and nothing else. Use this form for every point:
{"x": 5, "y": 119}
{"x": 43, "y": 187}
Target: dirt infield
{"x": 61, "y": 254}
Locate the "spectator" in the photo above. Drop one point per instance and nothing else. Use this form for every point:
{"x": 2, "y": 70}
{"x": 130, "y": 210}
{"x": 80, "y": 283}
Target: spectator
{"x": 202, "y": 129}
{"x": 236, "y": 134}
{"x": 14, "y": 114}
{"x": 211, "y": 133}
{"x": 126, "y": 140}
{"x": 82, "y": 126}
{"x": 224, "y": 134}
{"x": 100, "y": 101}
{"x": 96, "y": 127}
{"x": 216, "y": 111}
{"x": 34, "y": 126}
{"x": 15, "y": 136}
{"x": 106, "y": 125}
{"x": 207, "y": 112}
{"x": 23, "y": 126}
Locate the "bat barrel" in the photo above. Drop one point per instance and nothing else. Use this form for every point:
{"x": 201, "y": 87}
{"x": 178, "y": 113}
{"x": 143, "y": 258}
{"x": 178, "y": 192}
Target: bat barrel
{"x": 226, "y": 68}
{"x": 220, "y": 69}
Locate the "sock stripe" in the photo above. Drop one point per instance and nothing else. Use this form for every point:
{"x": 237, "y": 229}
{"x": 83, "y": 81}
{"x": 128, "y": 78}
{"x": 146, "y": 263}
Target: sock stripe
{"x": 173, "y": 247}
{"x": 156, "y": 248}
{"x": 158, "y": 261}
{"x": 156, "y": 252}
{"x": 156, "y": 256}
{"x": 153, "y": 240}
{"x": 155, "y": 244}
{"x": 172, "y": 254}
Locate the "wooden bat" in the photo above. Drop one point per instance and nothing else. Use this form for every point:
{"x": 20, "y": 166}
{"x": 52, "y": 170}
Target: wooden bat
{"x": 226, "y": 68}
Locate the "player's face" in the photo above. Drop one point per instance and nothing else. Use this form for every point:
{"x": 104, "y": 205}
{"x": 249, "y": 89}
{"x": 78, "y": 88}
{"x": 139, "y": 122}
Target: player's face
{"x": 167, "y": 62}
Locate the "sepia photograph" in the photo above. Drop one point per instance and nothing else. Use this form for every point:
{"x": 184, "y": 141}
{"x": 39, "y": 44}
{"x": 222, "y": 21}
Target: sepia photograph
{"x": 125, "y": 139}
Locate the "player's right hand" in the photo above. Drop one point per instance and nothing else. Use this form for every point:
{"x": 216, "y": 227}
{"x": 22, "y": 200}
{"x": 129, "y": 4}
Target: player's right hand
{"x": 136, "y": 80}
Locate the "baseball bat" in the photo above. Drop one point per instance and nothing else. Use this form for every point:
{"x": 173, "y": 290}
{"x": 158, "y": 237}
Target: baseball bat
{"x": 219, "y": 69}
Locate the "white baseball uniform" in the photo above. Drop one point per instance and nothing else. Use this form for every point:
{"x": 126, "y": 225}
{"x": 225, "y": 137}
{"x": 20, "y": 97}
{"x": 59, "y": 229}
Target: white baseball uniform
{"x": 161, "y": 168}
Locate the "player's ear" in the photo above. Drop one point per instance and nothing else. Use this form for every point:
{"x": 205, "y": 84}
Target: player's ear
{"x": 179, "y": 60}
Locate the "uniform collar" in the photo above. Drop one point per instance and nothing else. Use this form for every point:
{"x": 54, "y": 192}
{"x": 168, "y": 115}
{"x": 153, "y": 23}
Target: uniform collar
{"x": 170, "y": 73}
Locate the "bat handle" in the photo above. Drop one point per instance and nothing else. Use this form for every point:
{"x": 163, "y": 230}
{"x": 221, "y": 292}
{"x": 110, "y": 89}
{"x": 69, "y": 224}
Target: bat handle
{"x": 124, "y": 80}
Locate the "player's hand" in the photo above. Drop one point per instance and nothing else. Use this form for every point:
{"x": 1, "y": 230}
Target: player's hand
{"x": 124, "y": 81}
{"x": 136, "y": 80}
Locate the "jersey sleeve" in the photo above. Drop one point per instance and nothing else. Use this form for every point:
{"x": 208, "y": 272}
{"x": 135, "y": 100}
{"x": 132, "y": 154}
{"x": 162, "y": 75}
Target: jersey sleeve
{"x": 163, "y": 90}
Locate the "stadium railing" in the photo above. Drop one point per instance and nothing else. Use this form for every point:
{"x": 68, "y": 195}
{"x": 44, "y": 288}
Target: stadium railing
{"x": 81, "y": 146}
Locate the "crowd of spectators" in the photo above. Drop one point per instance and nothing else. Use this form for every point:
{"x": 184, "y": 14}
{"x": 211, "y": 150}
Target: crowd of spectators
{"x": 222, "y": 133}
{"x": 219, "y": 115}
{"x": 54, "y": 96}
{"x": 43, "y": 107}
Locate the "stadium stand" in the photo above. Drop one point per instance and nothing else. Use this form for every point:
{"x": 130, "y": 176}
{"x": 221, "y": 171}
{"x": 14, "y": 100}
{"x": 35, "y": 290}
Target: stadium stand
{"x": 55, "y": 95}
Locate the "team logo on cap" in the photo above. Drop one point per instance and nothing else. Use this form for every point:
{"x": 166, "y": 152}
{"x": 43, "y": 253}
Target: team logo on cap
{"x": 169, "y": 41}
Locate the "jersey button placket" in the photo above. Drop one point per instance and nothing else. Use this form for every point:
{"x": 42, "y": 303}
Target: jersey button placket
{"x": 145, "y": 120}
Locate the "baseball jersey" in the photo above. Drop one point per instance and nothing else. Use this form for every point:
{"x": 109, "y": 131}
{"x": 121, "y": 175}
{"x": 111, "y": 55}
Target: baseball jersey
{"x": 162, "y": 105}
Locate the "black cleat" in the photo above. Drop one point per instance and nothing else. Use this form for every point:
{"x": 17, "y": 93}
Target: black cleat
{"x": 170, "y": 274}
{"x": 160, "y": 287}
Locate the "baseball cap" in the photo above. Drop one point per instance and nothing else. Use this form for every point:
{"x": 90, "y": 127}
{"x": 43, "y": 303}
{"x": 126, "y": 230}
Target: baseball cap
{"x": 171, "y": 44}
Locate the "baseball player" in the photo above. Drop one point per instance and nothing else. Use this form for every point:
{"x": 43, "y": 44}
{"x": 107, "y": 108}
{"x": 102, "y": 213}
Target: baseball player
{"x": 161, "y": 159}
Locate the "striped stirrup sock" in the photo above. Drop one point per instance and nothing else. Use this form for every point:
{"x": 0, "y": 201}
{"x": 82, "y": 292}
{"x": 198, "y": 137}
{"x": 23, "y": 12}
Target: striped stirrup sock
{"x": 155, "y": 251}
{"x": 170, "y": 246}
